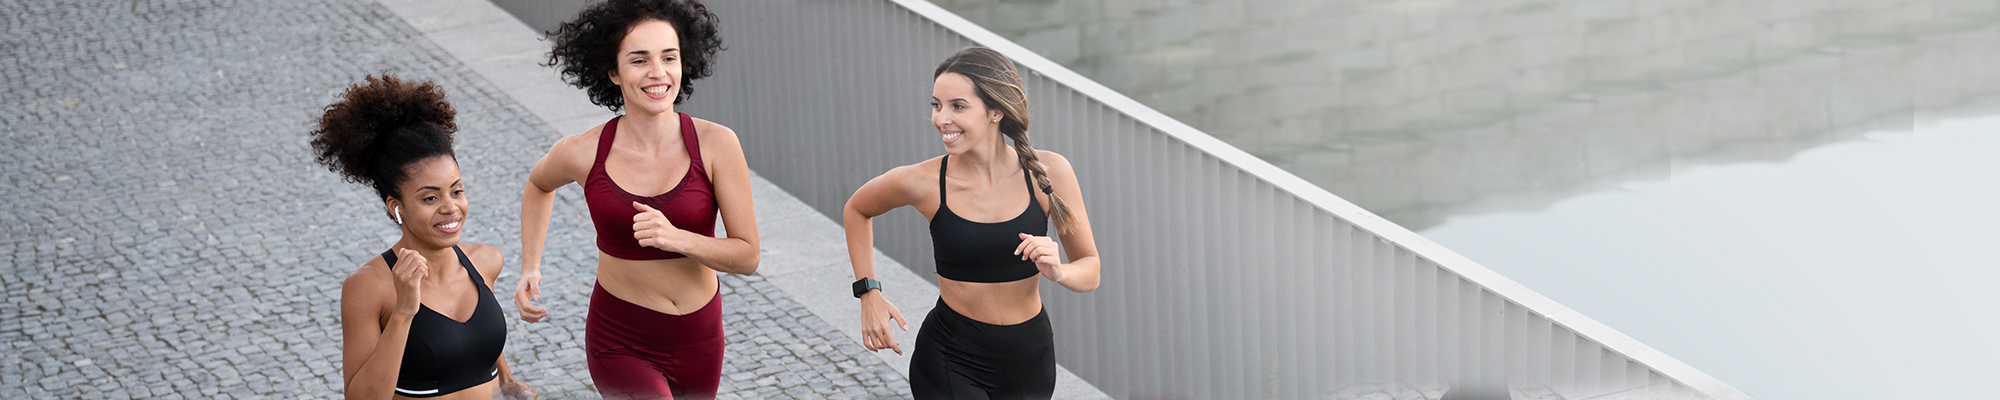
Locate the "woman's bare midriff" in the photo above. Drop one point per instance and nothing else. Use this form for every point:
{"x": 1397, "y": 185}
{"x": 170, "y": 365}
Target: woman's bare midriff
{"x": 1002, "y": 303}
{"x": 678, "y": 286}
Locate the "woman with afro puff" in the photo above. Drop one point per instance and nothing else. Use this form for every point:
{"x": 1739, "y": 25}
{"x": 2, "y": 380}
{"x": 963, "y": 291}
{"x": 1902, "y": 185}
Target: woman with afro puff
{"x": 419, "y": 320}
{"x": 654, "y": 180}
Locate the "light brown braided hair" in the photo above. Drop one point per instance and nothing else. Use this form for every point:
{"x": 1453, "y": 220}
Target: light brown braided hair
{"x": 999, "y": 87}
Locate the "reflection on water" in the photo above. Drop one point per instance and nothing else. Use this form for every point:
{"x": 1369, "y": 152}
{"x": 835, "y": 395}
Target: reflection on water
{"x": 1857, "y": 270}
{"x": 1422, "y": 109}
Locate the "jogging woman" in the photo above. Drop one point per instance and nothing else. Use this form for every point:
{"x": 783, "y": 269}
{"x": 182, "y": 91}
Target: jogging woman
{"x": 420, "y": 320}
{"x": 989, "y": 199}
{"x": 654, "y": 180}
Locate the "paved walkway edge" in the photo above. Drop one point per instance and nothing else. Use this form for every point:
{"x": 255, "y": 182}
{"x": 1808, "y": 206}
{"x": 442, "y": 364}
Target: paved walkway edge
{"x": 804, "y": 253}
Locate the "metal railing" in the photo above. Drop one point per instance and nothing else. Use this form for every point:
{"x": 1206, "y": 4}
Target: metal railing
{"x": 1224, "y": 276}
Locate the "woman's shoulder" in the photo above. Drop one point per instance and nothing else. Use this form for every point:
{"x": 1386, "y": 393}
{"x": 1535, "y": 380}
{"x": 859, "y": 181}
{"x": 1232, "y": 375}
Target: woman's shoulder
{"x": 714, "y": 133}
{"x": 370, "y": 276}
{"x": 707, "y": 127}
{"x": 920, "y": 171}
{"x": 929, "y": 163}
{"x": 1057, "y": 166}
{"x": 585, "y": 141}
{"x": 911, "y": 184}
{"x": 488, "y": 259}
{"x": 1052, "y": 159}
{"x": 575, "y": 153}
{"x": 576, "y": 150}
{"x": 482, "y": 254}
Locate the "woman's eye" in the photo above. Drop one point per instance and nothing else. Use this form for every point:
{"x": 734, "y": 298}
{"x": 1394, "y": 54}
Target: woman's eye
{"x": 668, "y": 59}
{"x": 934, "y": 105}
{"x": 458, "y": 193}
{"x": 959, "y": 107}
{"x": 428, "y": 199}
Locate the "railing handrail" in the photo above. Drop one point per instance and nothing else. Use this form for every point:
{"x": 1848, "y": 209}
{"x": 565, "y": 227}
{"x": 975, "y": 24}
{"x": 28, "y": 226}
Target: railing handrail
{"x": 1320, "y": 198}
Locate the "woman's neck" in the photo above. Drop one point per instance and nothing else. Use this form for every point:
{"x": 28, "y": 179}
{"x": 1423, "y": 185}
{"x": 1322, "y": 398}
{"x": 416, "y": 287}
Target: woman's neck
{"x": 438, "y": 259}
{"x": 650, "y": 130}
{"x": 989, "y": 162}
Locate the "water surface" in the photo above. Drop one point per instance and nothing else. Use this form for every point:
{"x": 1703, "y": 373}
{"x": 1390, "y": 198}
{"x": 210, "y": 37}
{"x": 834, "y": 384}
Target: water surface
{"x": 1859, "y": 270}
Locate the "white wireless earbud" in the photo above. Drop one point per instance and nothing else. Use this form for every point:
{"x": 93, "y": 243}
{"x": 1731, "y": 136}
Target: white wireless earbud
{"x": 399, "y": 215}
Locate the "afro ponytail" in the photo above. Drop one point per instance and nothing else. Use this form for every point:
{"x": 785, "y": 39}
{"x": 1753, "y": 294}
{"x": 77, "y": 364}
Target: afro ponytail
{"x": 381, "y": 126}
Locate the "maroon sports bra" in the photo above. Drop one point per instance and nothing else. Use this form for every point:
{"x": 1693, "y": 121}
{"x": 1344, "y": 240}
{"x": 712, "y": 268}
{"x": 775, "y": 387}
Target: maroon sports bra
{"x": 689, "y": 205}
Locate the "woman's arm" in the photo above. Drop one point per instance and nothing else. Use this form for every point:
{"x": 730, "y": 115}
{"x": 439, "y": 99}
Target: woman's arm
{"x": 886, "y": 192}
{"x": 738, "y": 252}
{"x": 511, "y": 388}
{"x": 567, "y": 160}
{"x": 372, "y": 352}
{"x": 1082, "y": 273}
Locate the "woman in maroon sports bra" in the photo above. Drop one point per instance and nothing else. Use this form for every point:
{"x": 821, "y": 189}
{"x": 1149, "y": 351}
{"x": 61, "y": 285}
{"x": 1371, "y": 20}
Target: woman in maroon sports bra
{"x": 654, "y": 180}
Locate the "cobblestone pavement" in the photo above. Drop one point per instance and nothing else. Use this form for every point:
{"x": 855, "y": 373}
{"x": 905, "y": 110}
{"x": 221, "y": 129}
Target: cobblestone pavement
{"x": 166, "y": 234}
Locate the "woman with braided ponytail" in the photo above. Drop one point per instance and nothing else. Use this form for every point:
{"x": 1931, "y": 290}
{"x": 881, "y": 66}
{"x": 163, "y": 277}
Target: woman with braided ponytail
{"x": 988, "y": 336}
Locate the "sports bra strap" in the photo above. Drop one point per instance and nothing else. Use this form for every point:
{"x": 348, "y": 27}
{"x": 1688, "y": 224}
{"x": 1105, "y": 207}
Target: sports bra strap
{"x": 1028, "y": 176}
{"x": 604, "y": 138}
{"x": 463, "y": 261}
{"x": 692, "y": 140}
{"x": 946, "y": 162}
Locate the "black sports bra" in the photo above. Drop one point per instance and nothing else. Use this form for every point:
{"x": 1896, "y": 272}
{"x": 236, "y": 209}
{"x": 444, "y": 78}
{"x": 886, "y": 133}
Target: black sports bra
{"x": 444, "y": 356}
{"x": 968, "y": 251}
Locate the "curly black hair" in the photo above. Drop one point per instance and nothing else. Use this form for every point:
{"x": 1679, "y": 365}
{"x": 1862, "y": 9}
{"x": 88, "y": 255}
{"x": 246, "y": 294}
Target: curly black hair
{"x": 378, "y": 128}
{"x": 586, "y": 48}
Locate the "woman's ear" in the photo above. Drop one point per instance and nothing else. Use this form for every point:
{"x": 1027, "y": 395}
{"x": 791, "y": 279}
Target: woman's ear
{"x": 395, "y": 209}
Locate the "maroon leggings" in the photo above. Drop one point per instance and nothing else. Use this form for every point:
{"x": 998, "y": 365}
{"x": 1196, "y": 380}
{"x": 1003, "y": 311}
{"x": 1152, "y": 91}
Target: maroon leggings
{"x": 637, "y": 353}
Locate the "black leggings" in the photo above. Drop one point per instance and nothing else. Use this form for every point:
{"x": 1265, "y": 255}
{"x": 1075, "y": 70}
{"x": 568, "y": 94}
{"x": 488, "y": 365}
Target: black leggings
{"x": 960, "y": 358}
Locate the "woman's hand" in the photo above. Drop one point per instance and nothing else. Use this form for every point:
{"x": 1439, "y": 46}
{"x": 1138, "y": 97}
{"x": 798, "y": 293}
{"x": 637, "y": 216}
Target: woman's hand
{"x": 515, "y": 390}
{"x": 530, "y": 288}
{"x": 1044, "y": 252}
{"x": 410, "y": 270}
{"x": 654, "y": 230}
{"x": 875, "y": 315}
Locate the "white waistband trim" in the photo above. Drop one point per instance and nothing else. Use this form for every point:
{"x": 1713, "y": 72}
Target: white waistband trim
{"x": 407, "y": 391}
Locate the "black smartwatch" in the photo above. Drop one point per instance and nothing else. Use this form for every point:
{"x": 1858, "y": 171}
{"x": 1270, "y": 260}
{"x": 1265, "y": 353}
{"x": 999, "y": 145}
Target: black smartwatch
{"x": 864, "y": 285}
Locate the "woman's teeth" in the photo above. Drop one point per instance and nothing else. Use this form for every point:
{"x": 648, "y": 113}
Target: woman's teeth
{"x": 449, "y": 226}
{"x": 662, "y": 89}
{"x": 953, "y": 136}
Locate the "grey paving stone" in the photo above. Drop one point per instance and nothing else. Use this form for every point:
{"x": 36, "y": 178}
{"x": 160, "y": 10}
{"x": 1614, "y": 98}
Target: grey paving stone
{"x": 165, "y": 233}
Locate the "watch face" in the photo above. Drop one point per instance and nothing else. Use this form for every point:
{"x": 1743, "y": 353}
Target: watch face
{"x": 864, "y": 285}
